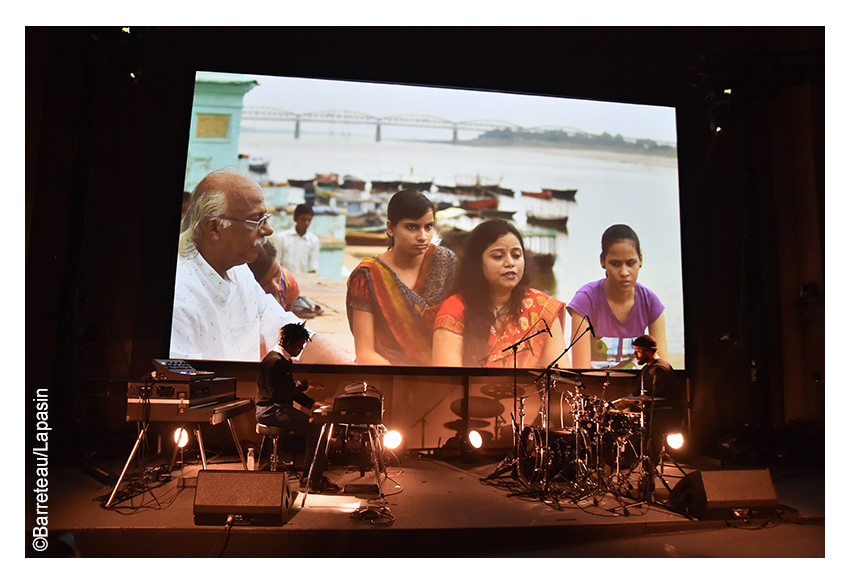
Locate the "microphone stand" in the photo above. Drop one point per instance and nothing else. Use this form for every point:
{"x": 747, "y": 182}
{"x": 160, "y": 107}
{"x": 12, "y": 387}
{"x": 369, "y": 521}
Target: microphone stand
{"x": 546, "y": 457}
{"x": 512, "y": 459}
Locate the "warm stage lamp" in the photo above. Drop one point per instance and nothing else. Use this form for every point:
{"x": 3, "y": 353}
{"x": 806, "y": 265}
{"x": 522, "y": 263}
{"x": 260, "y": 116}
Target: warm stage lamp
{"x": 392, "y": 439}
{"x": 475, "y": 439}
{"x": 675, "y": 441}
{"x": 181, "y": 437}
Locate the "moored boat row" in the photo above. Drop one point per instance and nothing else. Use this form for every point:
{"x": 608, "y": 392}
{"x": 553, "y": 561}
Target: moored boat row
{"x": 364, "y": 202}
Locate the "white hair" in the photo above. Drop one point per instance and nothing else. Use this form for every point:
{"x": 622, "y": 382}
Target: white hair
{"x": 209, "y": 199}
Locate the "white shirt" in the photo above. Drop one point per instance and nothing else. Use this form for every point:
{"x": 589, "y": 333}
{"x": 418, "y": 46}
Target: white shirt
{"x": 299, "y": 254}
{"x": 220, "y": 319}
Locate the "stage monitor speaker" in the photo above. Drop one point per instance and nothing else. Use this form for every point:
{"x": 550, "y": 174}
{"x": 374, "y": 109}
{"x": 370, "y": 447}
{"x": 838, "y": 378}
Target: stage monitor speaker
{"x": 726, "y": 494}
{"x": 250, "y": 497}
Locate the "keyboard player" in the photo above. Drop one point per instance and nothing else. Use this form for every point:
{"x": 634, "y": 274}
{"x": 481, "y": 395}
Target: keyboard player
{"x": 277, "y": 394}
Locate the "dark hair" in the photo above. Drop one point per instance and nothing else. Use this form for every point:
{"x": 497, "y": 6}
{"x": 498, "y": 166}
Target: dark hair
{"x": 260, "y": 266}
{"x": 291, "y": 333}
{"x": 478, "y": 315}
{"x": 303, "y": 209}
{"x": 407, "y": 204}
{"x": 617, "y": 233}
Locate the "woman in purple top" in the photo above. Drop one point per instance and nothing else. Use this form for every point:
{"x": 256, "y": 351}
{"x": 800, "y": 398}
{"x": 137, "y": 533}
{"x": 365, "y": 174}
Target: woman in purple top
{"x": 618, "y": 308}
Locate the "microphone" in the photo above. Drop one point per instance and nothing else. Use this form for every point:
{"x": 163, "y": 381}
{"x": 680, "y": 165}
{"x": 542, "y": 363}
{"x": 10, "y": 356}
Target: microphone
{"x": 547, "y": 326}
{"x": 590, "y": 326}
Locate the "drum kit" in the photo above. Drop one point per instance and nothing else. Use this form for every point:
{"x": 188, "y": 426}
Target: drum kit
{"x": 602, "y": 450}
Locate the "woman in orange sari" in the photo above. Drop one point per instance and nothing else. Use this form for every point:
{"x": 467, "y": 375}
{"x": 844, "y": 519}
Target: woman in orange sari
{"x": 392, "y": 297}
{"x": 495, "y": 308}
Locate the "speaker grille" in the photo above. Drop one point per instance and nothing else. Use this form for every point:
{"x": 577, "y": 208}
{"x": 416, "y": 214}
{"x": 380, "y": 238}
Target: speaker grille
{"x": 251, "y": 497}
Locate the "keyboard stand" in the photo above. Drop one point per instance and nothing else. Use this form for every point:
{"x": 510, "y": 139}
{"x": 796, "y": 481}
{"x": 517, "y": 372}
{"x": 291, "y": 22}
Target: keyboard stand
{"x": 377, "y": 454}
{"x": 211, "y": 413}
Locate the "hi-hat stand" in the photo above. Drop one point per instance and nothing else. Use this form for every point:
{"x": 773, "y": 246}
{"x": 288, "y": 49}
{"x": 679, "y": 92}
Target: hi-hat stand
{"x": 647, "y": 470}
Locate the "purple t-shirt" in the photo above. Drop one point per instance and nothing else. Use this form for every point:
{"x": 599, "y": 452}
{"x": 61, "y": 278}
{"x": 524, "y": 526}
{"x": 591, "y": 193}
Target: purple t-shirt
{"x": 612, "y": 343}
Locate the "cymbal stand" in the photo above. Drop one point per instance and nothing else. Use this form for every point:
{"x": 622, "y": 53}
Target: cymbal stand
{"x": 621, "y": 443}
{"x": 604, "y": 484}
{"x": 647, "y": 473}
{"x": 511, "y": 461}
{"x": 547, "y": 454}
{"x": 579, "y": 463}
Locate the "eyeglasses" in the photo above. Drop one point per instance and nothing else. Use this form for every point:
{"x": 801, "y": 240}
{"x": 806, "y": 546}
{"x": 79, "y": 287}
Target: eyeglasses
{"x": 254, "y": 225}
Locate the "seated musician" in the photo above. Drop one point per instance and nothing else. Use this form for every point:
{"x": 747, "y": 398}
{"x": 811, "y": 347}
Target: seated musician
{"x": 658, "y": 381}
{"x": 277, "y": 394}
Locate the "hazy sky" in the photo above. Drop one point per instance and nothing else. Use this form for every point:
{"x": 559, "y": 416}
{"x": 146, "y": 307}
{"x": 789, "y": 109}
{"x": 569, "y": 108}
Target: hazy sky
{"x": 304, "y": 95}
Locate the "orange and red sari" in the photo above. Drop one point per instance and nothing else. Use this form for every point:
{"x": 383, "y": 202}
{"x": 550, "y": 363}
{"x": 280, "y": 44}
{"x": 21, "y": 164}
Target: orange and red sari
{"x": 536, "y": 305}
{"x": 404, "y": 317}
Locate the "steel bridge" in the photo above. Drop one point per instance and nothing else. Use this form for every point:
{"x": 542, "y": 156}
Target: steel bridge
{"x": 341, "y": 116}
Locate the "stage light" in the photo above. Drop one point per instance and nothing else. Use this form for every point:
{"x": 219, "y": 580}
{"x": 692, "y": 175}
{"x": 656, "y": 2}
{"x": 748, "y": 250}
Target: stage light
{"x": 475, "y": 439}
{"x": 181, "y": 437}
{"x": 675, "y": 441}
{"x": 392, "y": 439}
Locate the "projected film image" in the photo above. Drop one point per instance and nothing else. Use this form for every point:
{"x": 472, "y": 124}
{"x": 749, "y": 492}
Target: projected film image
{"x": 422, "y": 226}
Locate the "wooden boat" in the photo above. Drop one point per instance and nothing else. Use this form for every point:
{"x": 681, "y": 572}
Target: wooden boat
{"x": 306, "y": 184}
{"x": 258, "y": 165}
{"x": 367, "y": 236}
{"x": 482, "y": 190}
{"x": 294, "y": 182}
{"x": 353, "y": 183}
{"x": 497, "y": 190}
{"x": 385, "y": 186}
{"x": 423, "y": 187}
{"x": 544, "y": 195}
{"x": 327, "y": 180}
{"x": 558, "y": 222}
{"x": 563, "y": 195}
{"x": 497, "y": 214}
{"x": 477, "y": 203}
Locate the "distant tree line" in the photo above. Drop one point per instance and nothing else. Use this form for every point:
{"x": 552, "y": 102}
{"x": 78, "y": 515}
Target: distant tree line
{"x": 561, "y": 137}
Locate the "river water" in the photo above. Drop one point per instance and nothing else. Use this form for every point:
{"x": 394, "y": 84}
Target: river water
{"x": 644, "y": 195}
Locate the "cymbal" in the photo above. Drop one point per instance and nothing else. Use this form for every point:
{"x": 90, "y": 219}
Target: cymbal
{"x": 637, "y": 399}
{"x": 609, "y": 373}
{"x": 558, "y": 374}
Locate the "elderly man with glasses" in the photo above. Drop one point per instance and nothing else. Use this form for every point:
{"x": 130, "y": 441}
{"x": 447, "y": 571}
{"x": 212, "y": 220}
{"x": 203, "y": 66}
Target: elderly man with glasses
{"x": 220, "y": 311}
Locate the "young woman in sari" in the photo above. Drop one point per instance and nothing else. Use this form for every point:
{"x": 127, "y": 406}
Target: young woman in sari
{"x": 495, "y": 308}
{"x": 392, "y": 297}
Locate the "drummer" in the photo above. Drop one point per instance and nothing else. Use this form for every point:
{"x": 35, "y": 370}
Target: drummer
{"x": 666, "y": 404}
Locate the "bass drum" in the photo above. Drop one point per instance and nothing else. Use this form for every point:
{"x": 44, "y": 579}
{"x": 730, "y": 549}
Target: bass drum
{"x": 563, "y": 446}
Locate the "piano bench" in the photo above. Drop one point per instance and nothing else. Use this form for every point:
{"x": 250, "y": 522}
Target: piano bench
{"x": 275, "y": 433}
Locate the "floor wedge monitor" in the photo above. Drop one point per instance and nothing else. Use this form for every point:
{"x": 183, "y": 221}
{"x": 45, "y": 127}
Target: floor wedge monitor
{"x": 726, "y": 494}
{"x": 247, "y": 497}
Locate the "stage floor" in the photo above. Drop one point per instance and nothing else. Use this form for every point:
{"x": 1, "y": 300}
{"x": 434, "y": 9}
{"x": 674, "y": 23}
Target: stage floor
{"x": 433, "y": 507}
